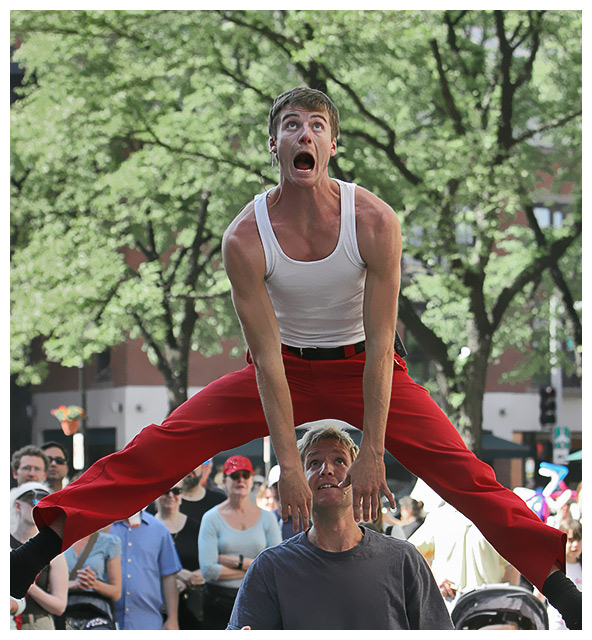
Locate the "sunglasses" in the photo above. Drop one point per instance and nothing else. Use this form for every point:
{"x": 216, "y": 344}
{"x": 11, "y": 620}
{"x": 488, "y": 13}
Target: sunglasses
{"x": 245, "y": 475}
{"x": 175, "y": 491}
{"x": 57, "y": 460}
{"x": 32, "y": 497}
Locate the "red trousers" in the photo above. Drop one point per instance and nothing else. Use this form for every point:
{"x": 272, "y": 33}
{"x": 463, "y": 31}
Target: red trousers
{"x": 228, "y": 413}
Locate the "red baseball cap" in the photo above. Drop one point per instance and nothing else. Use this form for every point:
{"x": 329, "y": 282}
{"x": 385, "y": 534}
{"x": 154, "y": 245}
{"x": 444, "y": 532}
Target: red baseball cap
{"x": 237, "y": 463}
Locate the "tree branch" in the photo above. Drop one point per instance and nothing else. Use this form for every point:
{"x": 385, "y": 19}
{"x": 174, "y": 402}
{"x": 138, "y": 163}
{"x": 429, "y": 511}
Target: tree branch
{"x": 504, "y": 133}
{"x": 434, "y": 345}
{"x": 198, "y": 240}
{"x": 475, "y": 280}
{"x": 558, "y": 122}
{"x": 390, "y": 152}
{"x": 162, "y": 361}
{"x": 446, "y": 92}
{"x": 278, "y": 39}
{"x": 155, "y": 139}
{"x": 557, "y": 275}
{"x": 110, "y": 295}
{"x": 533, "y": 29}
{"x": 197, "y": 154}
{"x": 545, "y": 259}
{"x": 240, "y": 80}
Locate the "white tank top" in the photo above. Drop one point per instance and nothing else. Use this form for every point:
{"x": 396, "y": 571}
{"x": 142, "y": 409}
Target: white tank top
{"x": 317, "y": 303}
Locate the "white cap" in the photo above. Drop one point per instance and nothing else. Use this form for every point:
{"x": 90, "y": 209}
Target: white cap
{"x": 19, "y": 491}
{"x": 274, "y": 475}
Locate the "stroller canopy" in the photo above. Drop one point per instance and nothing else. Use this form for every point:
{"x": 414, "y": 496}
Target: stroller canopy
{"x": 500, "y": 606}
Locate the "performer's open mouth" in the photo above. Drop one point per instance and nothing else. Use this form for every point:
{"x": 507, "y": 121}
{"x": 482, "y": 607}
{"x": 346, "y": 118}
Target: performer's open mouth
{"x": 304, "y": 162}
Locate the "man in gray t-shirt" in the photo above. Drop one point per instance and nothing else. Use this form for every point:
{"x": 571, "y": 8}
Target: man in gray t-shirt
{"x": 337, "y": 575}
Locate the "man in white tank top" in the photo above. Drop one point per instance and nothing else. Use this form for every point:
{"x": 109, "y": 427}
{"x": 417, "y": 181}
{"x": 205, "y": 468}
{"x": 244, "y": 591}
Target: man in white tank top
{"x": 315, "y": 270}
{"x": 306, "y": 219}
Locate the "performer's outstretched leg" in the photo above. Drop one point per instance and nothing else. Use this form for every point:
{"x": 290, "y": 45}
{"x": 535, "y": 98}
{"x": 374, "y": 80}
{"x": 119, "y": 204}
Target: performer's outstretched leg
{"x": 30, "y": 558}
{"x": 224, "y": 415}
{"x": 422, "y": 438}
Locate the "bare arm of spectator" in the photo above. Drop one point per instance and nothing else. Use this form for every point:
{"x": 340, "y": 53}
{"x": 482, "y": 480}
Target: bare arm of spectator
{"x": 170, "y": 595}
{"x": 56, "y": 598}
{"x": 232, "y": 561}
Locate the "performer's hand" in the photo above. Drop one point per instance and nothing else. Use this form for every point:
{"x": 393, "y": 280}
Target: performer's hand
{"x": 295, "y": 498}
{"x": 367, "y": 479}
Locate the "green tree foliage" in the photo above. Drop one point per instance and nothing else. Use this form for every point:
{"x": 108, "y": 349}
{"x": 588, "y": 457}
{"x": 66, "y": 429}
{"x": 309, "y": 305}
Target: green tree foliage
{"x": 124, "y": 178}
{"x": 145, "y": 131}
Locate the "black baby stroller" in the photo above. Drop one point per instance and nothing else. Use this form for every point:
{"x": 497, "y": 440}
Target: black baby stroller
{"x": 500, "y": 606}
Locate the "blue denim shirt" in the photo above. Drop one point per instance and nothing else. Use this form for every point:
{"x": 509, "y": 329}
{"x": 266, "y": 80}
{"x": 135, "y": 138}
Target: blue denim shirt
{"x": 147, "y": 555}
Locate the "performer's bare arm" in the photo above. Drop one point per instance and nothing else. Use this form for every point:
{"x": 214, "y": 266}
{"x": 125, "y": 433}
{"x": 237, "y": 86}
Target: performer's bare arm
{"x": 379, "y": 241}
{"x": 244, "y": 261}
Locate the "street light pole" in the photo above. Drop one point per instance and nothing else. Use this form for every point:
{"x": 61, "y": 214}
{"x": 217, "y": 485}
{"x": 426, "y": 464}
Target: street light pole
{"x": 83, "y": 423}
{"x": 556, "y": 371}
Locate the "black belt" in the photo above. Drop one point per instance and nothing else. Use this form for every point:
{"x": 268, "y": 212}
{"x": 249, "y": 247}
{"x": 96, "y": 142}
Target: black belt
{"x": 338, "y": 353}
{"x": 326, "y": 353}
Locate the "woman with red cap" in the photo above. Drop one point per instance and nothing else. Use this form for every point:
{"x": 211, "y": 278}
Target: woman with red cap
{"x": 230, "y": 537}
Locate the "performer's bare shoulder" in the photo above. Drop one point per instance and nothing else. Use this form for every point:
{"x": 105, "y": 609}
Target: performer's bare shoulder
{"x": 376, "y": 222}
{"x": 241, "y": 244}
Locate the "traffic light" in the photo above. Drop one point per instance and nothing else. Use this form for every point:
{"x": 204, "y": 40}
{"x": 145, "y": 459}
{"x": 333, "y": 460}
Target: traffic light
{"x": 548, "y": 405}
{"x": 544, "y": 452}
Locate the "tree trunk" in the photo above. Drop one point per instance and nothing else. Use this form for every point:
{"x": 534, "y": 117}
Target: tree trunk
{"x": 176, "y": 377}
{"x": 176, "y": 394}
{"x": 471, "y": 410}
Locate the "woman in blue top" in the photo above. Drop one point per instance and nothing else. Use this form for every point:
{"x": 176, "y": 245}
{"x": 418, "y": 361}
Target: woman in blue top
{"x": 100, "y": 572}
{"x": 231, "y": 536}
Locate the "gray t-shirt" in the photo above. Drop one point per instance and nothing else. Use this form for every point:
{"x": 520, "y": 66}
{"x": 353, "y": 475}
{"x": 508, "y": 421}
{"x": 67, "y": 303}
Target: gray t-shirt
{"x": 382, "y": 583}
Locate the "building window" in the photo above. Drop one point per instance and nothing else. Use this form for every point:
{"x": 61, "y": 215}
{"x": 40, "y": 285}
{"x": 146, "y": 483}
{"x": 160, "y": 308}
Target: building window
{"x": 103, "y": 366}
{"x": 548, "y": 217}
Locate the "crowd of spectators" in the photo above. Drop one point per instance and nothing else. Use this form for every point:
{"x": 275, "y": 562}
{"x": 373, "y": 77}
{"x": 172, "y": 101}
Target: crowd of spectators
{"x": 178, "y": 563}
{"x": 144, "y": 572}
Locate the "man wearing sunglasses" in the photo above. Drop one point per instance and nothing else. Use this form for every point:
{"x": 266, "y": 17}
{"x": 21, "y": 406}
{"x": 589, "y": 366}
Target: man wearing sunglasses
{"x": 197, "y": 496}
{"x": 57, "y": 471}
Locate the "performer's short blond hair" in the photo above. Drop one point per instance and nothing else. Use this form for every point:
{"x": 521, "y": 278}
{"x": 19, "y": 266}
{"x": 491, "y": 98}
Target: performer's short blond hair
{"x": 326, "y": 430}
